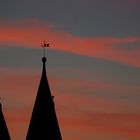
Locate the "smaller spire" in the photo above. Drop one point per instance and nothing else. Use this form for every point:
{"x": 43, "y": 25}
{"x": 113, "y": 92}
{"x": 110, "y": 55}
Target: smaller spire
{"x": 0, "y": 103}
{"x": 4, "y": 134}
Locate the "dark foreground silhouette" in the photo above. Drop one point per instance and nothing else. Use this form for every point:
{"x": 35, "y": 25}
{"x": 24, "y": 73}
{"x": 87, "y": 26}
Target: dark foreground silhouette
{"x": 43, "y": 124}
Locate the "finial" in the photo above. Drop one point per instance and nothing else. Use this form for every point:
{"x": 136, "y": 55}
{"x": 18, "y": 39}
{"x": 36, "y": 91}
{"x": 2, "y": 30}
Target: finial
{"x": 44, "y": 45}
{"x": 44, "y": 59}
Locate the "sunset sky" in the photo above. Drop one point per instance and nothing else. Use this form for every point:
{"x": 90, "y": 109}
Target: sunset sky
{"x": 93, "y": 65}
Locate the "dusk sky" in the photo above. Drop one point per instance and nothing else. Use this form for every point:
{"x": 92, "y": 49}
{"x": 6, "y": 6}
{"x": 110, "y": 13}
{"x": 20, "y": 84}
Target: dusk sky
{"x": 93, "y": 65}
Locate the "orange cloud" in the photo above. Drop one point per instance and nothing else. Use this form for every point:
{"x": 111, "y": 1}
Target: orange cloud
{"x": 22, "y": 90}
{"x": 126, "y": 125}
{"x": 31, "y": 33}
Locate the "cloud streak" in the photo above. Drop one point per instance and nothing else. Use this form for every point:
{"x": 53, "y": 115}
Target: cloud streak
{"x": 30, "y": 33}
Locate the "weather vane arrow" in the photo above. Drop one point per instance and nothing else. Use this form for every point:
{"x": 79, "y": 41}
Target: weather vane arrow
{"x": 44, "y": 45}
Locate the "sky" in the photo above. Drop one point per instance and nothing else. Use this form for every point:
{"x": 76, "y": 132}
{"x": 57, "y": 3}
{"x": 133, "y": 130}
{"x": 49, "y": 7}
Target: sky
{"x": 93, "y": 65}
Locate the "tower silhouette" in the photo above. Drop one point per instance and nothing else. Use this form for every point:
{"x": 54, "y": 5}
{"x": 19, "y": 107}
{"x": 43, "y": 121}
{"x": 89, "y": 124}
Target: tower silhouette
{"x": 4, "y": 134}
{"x": 43, "y": 124}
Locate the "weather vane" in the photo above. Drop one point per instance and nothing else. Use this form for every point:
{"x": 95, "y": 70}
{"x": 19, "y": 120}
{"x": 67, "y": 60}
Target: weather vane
{"x": 44, "y": 45}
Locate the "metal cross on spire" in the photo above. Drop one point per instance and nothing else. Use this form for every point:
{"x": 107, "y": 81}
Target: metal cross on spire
{"x": 44, "y": 45}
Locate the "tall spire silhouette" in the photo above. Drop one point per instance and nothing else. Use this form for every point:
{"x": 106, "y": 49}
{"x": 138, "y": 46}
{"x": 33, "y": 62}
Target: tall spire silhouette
{"x": 4, "y": 134}
{"x": 44, "y": 123}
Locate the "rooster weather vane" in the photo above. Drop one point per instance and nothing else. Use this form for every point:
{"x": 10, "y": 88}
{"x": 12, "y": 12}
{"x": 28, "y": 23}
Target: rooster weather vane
{"x": 44, "y": 45}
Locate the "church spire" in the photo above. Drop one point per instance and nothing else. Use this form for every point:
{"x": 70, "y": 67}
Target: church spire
{"x": 44, "y": 124}
{"x": 4, "y": 134}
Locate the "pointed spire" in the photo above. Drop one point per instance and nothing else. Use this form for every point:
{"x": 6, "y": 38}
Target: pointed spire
{"x": 44, "y": 124}
{"x": 4, "y": 134}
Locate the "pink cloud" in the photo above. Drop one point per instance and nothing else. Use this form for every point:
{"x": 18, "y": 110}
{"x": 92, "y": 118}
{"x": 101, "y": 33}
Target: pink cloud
{"x": 30, "y": 33}
{"x": 126, "y": 125}
{"x": 129, "y": 4}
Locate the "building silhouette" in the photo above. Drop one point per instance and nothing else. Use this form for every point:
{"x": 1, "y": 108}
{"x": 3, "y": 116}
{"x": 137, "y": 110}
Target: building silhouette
{"x": 43, "y": 124}
{"x": 4, "y": 134}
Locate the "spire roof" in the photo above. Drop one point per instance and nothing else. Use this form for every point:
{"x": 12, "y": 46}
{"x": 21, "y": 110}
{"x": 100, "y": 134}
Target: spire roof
{"x": 4, "y": 134}
{"x": 44, "y": 124}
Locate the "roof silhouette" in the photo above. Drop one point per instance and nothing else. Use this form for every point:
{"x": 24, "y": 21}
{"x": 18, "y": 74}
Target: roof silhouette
{"x": 44, "y": 124}
{"x": 4, "y": 134}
